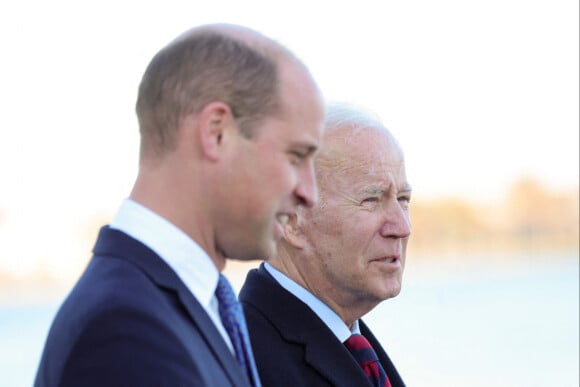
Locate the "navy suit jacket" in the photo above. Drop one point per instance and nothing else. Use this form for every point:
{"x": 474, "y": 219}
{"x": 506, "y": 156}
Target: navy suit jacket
{"x": 130, "y": 321}
{"x": 293, "y": 346}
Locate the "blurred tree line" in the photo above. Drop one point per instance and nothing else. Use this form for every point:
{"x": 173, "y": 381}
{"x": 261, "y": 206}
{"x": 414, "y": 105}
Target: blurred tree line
{"x": 530, "y": 218}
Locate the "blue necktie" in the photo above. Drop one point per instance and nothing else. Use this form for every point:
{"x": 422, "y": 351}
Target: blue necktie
{"x": 233, "y": 320}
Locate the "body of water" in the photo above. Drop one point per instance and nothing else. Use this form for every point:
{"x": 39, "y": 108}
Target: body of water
{"x": 479, "y": 322}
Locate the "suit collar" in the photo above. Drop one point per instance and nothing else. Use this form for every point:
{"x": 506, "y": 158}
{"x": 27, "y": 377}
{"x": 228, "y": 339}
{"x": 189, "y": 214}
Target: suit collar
{"x": 184, "y": 255}
{"x": 330, "y": 318}
{"x": 115, "y": 244}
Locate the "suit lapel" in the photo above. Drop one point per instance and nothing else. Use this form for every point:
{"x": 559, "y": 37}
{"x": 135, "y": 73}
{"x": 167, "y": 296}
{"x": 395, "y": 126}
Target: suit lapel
{"x": 212, "y": 337}
{"x": 333, "y": 361}
{"x": 119, "y": 245}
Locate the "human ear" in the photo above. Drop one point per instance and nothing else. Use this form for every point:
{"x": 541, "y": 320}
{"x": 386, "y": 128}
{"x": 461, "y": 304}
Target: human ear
{"x": 214, "y": 120}
{"x": 293, "y": 233}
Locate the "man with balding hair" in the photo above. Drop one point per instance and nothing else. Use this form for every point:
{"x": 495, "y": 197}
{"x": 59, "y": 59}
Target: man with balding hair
{"x": 229, "y": 122}
{"x": 335, "y": 263}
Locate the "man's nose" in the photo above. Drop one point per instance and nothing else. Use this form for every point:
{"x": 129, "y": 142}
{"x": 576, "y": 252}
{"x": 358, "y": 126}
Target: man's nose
{"x": 307, "y": 188}
{"x": 397, "y": 222}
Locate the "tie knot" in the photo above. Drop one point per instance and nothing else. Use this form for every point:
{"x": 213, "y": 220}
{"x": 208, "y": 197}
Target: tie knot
{"x": 361, "y": 349}
{"x": 358, "y": 342}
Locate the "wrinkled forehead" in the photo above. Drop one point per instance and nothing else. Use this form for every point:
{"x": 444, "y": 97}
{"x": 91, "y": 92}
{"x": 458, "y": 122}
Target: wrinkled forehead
{"x": 353, "y": 160}
{"x": 370, "y": 150}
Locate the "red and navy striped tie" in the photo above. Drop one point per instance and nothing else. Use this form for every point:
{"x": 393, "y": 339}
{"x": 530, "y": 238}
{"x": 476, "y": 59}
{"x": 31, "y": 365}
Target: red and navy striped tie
{"x": 367, "y": 358}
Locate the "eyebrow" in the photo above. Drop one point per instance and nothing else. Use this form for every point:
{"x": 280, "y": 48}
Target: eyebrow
{"x": 374, "y": 190}
{"x": 406, "y": 189}
{"x": 377, "y": 190}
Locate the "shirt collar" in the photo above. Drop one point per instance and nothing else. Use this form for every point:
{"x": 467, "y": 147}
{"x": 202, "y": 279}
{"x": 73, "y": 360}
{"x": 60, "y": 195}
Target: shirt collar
{"x": 189, "y": 261}
{"x": 323, "y": 311}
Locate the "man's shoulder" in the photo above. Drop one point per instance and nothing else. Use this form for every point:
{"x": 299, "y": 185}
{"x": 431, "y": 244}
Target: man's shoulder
{"x": 110, "y": 290}
{"x": 261, "y": 293}
{"x": 117, "y": 308}
{"x": 277, "y": 317}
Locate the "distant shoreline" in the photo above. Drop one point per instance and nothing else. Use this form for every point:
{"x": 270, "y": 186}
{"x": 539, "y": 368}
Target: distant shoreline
{"x": 43, "y": 289}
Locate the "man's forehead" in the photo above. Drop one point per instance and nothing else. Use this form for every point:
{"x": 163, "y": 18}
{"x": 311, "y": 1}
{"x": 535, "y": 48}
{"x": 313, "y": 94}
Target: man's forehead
{"x": 370, "y": 152}
{"x": 364, "y": 171}
{"x": 370, "y": 159}
{"x": 357, "y": 139}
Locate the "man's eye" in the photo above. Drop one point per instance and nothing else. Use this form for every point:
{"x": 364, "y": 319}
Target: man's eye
{"x": 405, "y": 201}
{"x": 297, "y": 156}
{"x": 371, "y": 200}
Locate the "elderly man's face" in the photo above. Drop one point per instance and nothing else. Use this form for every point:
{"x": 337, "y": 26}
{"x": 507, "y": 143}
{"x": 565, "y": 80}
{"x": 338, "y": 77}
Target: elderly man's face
{"x": 359, "y": 230}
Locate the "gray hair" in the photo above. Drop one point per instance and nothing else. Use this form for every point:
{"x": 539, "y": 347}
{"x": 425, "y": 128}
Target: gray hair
{"x": 343, "y": 122}
{"x": 344, "y": 115}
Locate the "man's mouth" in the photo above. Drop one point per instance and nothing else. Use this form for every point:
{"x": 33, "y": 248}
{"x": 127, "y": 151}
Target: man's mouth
{"x": 392, "y": 259}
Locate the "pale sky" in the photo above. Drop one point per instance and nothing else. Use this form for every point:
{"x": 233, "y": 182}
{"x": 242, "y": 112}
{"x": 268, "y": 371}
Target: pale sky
{"x": 478, "y": 94}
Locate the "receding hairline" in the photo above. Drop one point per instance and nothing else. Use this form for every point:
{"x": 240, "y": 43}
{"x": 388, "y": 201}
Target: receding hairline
{"x": 245, "y": 35}
{"x": 257, "y": 51}
{"x": 340, "y": 115}
{"x": 283, "y": 57}
{"x": 344, "y": 121}
{"x": 343, "y": 124}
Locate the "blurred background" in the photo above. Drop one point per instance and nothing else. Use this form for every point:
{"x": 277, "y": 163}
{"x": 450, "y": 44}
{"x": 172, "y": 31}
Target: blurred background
{"x": 483, "y": 97}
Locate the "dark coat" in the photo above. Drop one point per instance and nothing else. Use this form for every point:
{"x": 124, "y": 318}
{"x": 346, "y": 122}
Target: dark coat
{"x": 130, "y": 321}
{"x": 292, "y": 345}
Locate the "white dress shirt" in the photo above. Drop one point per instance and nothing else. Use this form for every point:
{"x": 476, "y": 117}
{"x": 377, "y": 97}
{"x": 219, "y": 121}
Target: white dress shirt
{"x": 189, "y": 261}
{"x": 327, "y": 315}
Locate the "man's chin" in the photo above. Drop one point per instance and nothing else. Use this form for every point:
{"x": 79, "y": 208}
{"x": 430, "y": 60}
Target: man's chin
{"x": 264, "y": 252}
{"x": 392, "y": 291}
